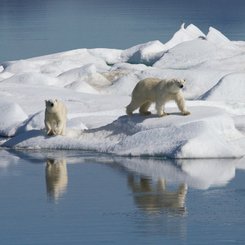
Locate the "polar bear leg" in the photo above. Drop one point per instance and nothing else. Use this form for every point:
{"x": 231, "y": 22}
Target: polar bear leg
{"x": 48, "y": 128}
{"x": 144, "y": 108}
{"x": 181, "y": 105}
{"x": 134, "y": 104}
{"x": 59, "y": 128}
{"x": 63, "y": 132}
{"x": 160, "y": 109}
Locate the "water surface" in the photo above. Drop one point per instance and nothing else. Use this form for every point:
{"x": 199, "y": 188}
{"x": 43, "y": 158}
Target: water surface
{"x": 84, "y": 198}
{"x": 31, "y": 28}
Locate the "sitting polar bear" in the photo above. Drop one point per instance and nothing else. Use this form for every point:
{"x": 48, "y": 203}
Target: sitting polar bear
{"x": 55, "y": 117}
{"x": 156, "y": 90}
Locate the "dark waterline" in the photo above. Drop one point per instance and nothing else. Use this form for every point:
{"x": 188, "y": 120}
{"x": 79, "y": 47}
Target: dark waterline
{"x": 83, "y": 198}
{"x": 31, "y": 28}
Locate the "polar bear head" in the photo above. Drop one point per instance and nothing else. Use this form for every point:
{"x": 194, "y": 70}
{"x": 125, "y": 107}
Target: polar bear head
{"x": 51, "y": 105}
{"x": 175, "y": 85}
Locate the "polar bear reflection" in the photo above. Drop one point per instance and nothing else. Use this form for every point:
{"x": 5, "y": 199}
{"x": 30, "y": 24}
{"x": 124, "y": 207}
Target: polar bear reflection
{"x": 153, "y": 197}
{"x": 56, "y": 178}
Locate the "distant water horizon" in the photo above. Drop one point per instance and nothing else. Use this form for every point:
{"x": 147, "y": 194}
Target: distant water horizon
{"x": 34, "y": 28}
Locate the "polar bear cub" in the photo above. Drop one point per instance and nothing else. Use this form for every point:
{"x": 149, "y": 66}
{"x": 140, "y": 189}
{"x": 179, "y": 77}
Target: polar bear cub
{"x": 159, "y": 91}
{"x": 55, "y": 117}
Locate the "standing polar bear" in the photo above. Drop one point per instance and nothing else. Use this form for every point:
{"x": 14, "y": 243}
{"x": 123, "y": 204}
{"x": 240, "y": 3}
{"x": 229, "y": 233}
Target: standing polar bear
{"x": 55, "y": 117}
{"x": 160, "y": 91}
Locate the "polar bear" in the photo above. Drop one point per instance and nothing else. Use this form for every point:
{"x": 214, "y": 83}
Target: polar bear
{"x": 154, "y": 196}
{"x": 56, "y": 178}
{"x": 55, "y": 117}
{"x": 160, "y": 91}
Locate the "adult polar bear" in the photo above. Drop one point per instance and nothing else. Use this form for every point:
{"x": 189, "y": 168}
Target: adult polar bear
{"x": 55, "y": 117}
{"x": 157, "y": 90}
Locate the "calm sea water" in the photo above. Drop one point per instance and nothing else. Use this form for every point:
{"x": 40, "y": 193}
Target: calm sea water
{"x": 84, "y": 198}
{"x": 81, "y": 198}
{"x": 36, "y": 27}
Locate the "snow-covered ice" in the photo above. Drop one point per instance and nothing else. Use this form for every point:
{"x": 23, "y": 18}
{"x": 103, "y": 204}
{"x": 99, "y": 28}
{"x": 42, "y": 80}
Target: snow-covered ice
{"x": 95, "y": 85}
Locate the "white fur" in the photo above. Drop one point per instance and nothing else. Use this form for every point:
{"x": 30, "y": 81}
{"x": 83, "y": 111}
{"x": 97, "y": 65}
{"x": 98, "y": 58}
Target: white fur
{"x": 154, "y": 90}
{"x": 55, "y": 117}
{"x": 153, "y": 197}
{"x": 56, "y": 177}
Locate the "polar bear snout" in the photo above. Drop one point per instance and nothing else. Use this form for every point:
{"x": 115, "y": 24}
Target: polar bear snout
{"x": 181, "y": 86}
{"x": 50, "y": 103}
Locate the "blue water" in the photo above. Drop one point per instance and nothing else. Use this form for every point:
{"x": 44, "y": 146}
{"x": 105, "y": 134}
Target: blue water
{"x": 37, "y": 27}
{"x": 85, "y": 198}
{"x": 95, "y": 199}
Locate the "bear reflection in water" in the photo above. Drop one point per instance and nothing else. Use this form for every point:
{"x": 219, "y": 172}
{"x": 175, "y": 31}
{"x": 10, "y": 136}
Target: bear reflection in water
{"x": 153, "y": 197}
{"x": 56, "y": 178}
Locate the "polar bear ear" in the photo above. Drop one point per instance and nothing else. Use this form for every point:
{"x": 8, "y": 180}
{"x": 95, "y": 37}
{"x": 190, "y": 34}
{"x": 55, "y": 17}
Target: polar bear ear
{"x": 183, "y": 81}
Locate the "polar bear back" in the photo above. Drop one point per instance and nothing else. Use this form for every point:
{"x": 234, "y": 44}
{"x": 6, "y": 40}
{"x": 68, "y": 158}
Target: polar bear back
{"x": 149, "y": 88}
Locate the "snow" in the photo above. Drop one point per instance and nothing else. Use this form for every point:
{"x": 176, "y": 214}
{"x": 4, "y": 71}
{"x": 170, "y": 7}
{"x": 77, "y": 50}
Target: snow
{"x": 231, "y": 87}
{"x": 191, "y": 32}
{"x": 147, "y": 53}
{"x": 217, "y": 37}
{"x": 12, "y": 116}
{"x": 95, "y": 85}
